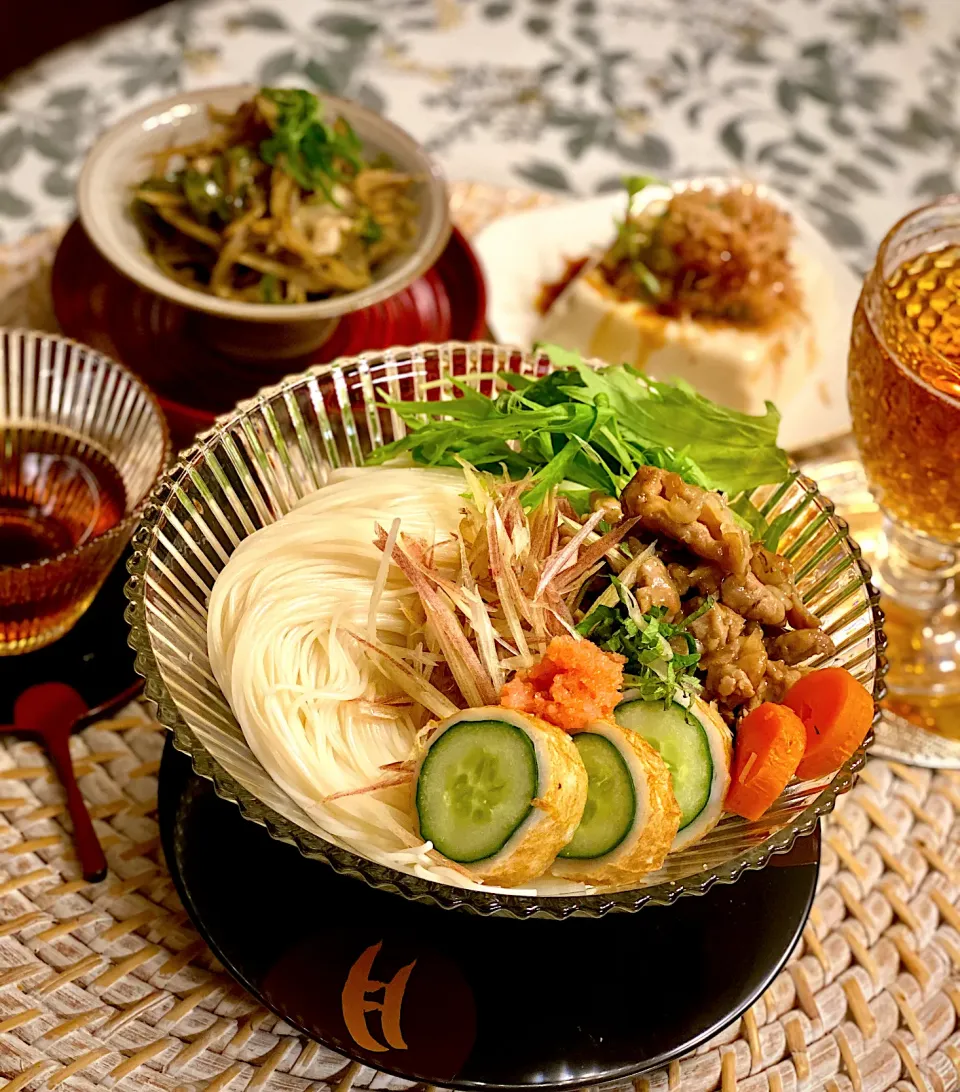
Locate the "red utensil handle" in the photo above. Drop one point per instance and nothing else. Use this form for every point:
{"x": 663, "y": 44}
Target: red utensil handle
{"x": 92, "y": 859}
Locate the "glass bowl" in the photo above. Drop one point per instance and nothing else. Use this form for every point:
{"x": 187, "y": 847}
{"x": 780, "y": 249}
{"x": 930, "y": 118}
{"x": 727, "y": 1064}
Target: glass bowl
{"x": 82, "y": 444}
{"x": 257, "y": 462}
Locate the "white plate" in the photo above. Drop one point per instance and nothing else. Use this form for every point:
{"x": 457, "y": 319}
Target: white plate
{"x": 521, "y": 252}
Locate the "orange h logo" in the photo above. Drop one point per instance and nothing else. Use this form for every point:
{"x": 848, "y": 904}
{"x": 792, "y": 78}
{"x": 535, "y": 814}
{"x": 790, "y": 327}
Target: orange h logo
{"x": 356, "y": 1006}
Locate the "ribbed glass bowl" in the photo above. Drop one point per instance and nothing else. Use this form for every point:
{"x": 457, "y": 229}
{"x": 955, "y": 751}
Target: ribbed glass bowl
{"x": 257, "y": 462}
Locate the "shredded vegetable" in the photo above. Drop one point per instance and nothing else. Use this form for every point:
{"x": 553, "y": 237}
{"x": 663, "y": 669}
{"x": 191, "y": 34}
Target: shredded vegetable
{"x": 276, "y": 205}
{"x": 661, "y": 656}
{"x": 515, "y": 590}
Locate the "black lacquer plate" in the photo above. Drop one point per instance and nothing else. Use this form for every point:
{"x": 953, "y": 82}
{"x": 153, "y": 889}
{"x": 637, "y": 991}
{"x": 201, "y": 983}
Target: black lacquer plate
{"x": 93, "y": 657}
{"x": 467, "y": 1002}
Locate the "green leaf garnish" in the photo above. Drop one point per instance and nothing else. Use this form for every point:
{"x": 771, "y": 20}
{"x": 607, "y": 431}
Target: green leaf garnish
{"x": 632, "y": 241}
{"x": 269, "y": 288}
{"x": 579, "y": 427}
{"x": 203, "y": 192}
{"x": 749, "y": 516}
{"x": 779, "y": 524}
{"x": 370, "y": 230}
{"x": 707, "y": 444}
{"x": 306, "y": 146}
{"x": 634, "y": 183}
{"x": 646, "y": 278}
{"x": 655, "y": 664}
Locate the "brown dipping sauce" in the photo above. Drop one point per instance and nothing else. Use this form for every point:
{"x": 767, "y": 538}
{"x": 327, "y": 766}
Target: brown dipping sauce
{"x": 551, "y": 290}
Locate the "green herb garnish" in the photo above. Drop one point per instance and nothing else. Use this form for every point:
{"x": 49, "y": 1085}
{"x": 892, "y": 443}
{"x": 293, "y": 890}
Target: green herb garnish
{"x": 647, "y": 278}
{"x": 768, "y": 533}
{"x": 203, "y": 192}
{"x": 656, "y": 665}
{"x": 583, "y": 429}
{"x": 775, "y": 528}
{"x": 370, "y": 230}
{"x": 217, "y": 194}
{"x": 306, "y": 146}
{"x": 269, "y": 288}
{"x": 632, "y": 240}
{"x": 635, "y": 183}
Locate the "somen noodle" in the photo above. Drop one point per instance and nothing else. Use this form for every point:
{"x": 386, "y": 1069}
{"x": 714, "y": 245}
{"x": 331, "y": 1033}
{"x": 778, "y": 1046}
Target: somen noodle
{"x": 318, "y": 713}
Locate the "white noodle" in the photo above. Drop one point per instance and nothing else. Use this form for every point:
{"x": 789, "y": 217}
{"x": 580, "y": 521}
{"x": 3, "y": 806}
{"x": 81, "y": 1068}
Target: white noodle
{"x": 381, "y": 582}
{"x": 279, "y": 623}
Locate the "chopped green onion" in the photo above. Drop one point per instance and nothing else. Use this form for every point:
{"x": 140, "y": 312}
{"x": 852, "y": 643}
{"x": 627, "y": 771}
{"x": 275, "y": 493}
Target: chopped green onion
{"x": 269, "y": 288}
{"x": 654, "y": 666}
{"x": 650, "y": 283}
{"x": 370, "y": 230}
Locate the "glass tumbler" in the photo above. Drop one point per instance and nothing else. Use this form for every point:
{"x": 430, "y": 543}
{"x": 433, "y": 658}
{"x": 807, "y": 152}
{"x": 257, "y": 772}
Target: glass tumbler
{"x": 904, "y": 387}
{"x": 82, "y": 443}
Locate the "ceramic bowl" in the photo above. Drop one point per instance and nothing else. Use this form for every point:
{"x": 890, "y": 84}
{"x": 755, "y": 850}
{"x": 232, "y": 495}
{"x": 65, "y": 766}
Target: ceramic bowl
{"x": 256, "y": 463}
{"x": 123, "y": 156}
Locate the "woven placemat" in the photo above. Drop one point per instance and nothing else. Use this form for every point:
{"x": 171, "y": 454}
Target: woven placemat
{"x": 109, "y": 986}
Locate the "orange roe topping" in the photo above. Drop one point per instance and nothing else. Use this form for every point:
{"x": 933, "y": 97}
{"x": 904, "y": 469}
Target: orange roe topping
{"x": 573, "y": 684}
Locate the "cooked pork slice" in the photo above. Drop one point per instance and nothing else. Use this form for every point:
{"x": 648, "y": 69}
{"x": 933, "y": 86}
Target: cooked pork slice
{"x": 776, "y": 571}
{"x": 699, "y": 518}
{"x": 798, "y": 645}
{"x": 717, "y": 628}
{"x": 736, "y": 671}
{"x": 777, "y": 680}
{"x": 771, "y": 568}
{"x": 704, "y": 577}
{"x": 654, "y": 588}
{"x": 761, "y": 602}
{"x": 799, "y": 616}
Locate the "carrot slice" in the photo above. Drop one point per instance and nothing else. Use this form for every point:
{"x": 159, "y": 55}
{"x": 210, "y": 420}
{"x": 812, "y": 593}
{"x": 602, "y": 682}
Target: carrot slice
{"x": 770, "y": 742}
{"x": 837, "y": 712}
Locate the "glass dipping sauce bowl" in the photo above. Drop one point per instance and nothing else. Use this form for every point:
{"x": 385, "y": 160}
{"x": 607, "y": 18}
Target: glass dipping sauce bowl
{"x": 82, "y": 444}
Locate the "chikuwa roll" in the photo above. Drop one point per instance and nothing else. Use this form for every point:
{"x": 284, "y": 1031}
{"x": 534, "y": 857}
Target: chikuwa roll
{"x": 697, "y": 748}
{"x": 631, "y": 816}
{"x": 500, "y": 793}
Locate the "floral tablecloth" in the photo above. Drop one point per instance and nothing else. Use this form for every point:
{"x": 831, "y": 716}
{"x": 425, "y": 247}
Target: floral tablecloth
{"x": 849, "y": 105}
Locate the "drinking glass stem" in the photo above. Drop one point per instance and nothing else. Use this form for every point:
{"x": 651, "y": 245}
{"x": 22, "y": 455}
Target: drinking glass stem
{"x": 916, "y": 572}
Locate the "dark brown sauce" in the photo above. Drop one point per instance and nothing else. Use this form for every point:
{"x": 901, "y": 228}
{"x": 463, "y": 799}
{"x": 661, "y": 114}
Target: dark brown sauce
{"x": 552, "y": 290}
{"x": 55, "y": 494}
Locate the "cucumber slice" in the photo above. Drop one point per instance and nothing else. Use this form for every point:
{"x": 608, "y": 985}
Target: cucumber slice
{"x": 611, "y": 799}
{"x": 476, "y": 786}
{"x": 682, "y": 744}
